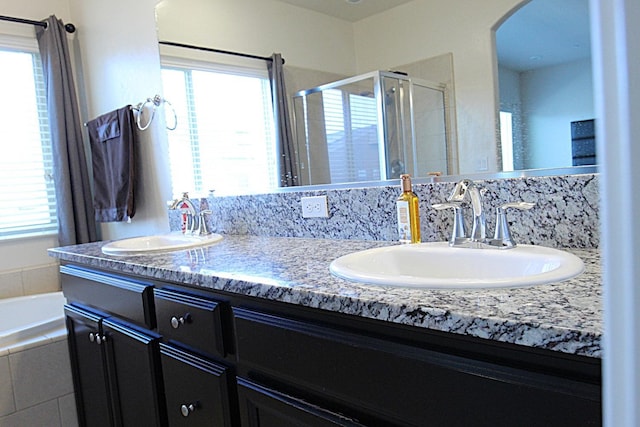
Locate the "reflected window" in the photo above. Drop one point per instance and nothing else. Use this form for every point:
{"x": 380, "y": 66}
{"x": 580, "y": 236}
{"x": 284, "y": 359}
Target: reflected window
{"x": 350, "y": 122}
{"x": 506, "y": 140}
{"x": 225, "y": 139}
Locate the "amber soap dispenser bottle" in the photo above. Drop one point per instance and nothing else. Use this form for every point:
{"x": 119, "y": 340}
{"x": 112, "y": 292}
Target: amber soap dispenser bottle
{"x": 407, "y": 207}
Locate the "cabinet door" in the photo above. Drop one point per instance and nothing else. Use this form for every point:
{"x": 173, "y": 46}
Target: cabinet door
{"x": 196, "y": 390}
{"x": 88, "y": 368}
{"x": 262, "y": 407}
{"x": 134, "y": 375}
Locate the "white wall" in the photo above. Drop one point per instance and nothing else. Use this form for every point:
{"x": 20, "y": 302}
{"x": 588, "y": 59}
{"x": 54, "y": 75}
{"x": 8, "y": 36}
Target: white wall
{"x": 120, "y": 65}
{"x": 305, "y": 38}
{"x": 425, "y": 28}
{"x": 548, "y": 100}
{"x": 552, "y": 98}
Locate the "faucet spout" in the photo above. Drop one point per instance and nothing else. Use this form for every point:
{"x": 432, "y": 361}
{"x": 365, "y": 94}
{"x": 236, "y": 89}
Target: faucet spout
{"x": 479, "y": 223}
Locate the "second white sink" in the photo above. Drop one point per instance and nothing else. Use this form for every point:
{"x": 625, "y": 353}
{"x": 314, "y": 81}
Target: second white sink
{"x": 436, "y": 265}
{"x": 158, "y": 243}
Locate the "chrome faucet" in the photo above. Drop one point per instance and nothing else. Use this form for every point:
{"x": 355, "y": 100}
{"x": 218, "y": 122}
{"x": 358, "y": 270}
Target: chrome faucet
{"x": 479, "y": 227}
{"x": 478, "y": 237}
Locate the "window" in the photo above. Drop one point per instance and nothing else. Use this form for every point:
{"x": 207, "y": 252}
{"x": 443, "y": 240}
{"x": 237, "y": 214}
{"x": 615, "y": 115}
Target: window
{"x": 225, "y": 138}
{"x": 506, "y": 140}
{"x": 27, "y": 195}
{"x": 351, "y": 125}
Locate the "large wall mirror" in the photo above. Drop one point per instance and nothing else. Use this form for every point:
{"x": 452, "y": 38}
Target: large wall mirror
{"x": 545, "y": 85}
{"x": 471, "y": 50}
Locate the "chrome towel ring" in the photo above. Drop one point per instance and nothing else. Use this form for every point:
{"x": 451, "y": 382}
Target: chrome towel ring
{"x": 155, "y": 102}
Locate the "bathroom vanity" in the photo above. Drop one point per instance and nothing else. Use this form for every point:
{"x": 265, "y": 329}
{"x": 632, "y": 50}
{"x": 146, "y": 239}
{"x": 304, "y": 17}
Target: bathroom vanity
{"x": 254, "y": 331}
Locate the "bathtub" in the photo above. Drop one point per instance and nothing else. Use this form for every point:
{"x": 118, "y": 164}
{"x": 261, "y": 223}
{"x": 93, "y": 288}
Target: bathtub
{"x": 35, "y": 372}
{"x": 29, "y": 318}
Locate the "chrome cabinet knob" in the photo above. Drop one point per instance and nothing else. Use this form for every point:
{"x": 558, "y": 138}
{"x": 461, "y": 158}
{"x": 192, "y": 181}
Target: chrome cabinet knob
{"x": 187, "y": 409}
{"x": 96, "y": 338}
{"x": 176, "y": 322}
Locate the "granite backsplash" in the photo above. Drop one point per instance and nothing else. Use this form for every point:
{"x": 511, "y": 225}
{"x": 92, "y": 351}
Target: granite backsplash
{"x": 566, "y": 213}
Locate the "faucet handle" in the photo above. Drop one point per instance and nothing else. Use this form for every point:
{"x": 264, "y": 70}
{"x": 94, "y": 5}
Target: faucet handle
{"x": 458, "y": 231}
{"x": 203, "y": 230}
{"x": 502, "y": 234}
{"x": 523, "y": 206}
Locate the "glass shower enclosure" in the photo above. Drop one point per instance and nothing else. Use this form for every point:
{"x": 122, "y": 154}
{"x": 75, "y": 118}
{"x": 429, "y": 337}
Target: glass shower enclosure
{"x": 372, "y": 127}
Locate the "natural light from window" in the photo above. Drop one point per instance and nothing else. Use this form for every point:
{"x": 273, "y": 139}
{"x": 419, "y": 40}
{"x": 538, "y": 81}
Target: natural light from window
{"x": 225, "y": 136}
{"x": 27, "y": 200}
{"x": 506, "y": 140}
{"x": 352, "y": 140}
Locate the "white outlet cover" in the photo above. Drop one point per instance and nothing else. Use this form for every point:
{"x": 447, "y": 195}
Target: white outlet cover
{"x": 315, "y": 207}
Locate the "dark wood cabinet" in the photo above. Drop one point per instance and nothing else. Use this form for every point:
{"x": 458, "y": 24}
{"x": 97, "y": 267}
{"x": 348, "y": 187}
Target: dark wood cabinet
{"x": 190, "y": 320}
{"x": 89, "y": 368}
{"x": 115, "y": 371}
{"x": 133, "y": 366}
{"x": 383, "y": 381}
{"x": 151, "y": 353}
{"x": 263, "y": 407}
{"x": 197, "y": 390}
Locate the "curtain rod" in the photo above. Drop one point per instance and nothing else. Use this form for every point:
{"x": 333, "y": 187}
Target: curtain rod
{"x": 69, "y": 27}
{"x": 208, "y": 49}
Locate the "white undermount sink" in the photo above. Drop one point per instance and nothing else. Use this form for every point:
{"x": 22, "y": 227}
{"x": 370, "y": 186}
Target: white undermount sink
{"x": 438, "y": 266}
{"x": 158, "y": 243}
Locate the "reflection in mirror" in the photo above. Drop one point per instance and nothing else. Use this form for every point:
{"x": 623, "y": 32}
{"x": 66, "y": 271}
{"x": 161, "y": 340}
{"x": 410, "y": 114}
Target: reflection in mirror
{"x": 338, "y": 42}
{"x": 374, "y": 126}
{"x": 545, "y": 84}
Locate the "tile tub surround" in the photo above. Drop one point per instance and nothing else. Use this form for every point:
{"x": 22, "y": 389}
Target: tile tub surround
{"x": 36, "y": 387}
{"x": 566, "y": 214}
{"x": 564, "y": 317}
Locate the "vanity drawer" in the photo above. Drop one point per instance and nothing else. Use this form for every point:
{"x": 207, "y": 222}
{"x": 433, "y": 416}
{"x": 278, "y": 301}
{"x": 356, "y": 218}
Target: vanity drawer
{"x": 190, "y": 320}
{"x": 126, "y": 298}
{"x": 196, "y": 390}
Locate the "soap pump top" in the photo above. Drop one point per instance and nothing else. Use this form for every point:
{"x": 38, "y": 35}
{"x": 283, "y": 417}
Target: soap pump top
{"x": 405, "y": 181}
{"x": 408, "y": 212}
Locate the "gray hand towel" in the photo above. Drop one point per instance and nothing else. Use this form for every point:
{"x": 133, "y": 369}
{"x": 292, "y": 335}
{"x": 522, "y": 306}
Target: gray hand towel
{"x": 112, "y": 137}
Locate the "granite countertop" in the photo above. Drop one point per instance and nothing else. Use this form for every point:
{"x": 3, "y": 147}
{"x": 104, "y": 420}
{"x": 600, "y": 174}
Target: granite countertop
{"x": 564, "y": 317}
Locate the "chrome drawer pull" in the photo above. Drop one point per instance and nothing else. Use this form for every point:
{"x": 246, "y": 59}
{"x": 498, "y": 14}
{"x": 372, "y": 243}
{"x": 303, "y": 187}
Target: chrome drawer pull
{"x": 177, "y": 321}
{"x": 188, "y": 409}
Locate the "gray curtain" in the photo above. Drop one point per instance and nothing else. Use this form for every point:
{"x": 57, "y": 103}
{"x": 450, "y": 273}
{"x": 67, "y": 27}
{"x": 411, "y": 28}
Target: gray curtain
{"x": 287, "y": 165}
{"x": 76, "y": 223}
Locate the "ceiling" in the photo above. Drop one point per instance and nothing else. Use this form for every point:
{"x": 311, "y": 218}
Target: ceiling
{"x": 544, "y": 33}
{"x": 540, "y": 34}
{"x": 352, "y": 10}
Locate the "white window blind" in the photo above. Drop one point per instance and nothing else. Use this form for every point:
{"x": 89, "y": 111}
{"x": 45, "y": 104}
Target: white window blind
{"x": 27, "y": 195}
{"x": 352, "y": 141}
{"x": 225, "y": 138}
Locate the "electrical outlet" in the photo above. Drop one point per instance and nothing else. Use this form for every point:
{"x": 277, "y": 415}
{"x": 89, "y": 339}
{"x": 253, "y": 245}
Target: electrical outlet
{"x": 315, "y": 207}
